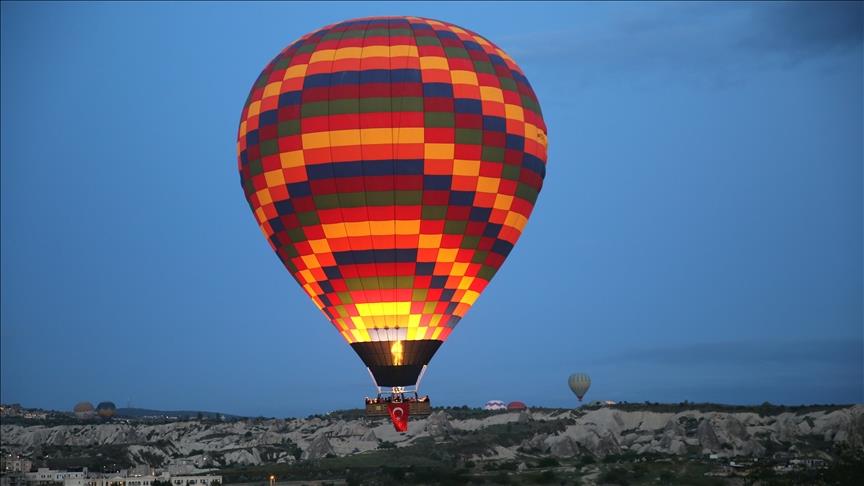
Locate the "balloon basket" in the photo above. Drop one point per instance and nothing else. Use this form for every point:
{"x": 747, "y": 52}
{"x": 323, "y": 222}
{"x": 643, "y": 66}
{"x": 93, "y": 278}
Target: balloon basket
{"x": 399, "y": 402}
{"x": 418, "y": 406}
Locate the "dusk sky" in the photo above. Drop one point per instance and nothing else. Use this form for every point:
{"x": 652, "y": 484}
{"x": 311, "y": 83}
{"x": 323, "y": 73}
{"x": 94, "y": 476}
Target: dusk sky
{"x": 698, "y": 236}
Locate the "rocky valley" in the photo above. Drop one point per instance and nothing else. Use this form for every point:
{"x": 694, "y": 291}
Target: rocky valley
{"x": 456, "y": 438}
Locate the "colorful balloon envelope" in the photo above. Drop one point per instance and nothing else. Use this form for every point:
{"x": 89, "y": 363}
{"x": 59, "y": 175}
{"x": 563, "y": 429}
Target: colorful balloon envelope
{"x": 392, "y": 164}
{"x": 579, "y": 384}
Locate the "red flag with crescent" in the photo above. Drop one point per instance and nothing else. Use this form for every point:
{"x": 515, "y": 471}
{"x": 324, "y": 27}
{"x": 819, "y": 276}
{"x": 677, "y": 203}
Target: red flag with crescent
{"x": 399, "y": 416}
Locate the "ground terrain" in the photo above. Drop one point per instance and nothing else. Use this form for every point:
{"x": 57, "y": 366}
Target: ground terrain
{"x": 627, "y": 444}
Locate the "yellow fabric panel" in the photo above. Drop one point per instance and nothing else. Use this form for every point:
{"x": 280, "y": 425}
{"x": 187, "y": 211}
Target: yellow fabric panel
{"x": 316, "y": 140}
{"x": 311, "y": 261}
{"x": 464, "y": 77}
{"x": 470, "y": 297}
{"x": 434, "y": 62}
{"x": 254, "y": 109}
{"x": 334, "y": 230}
{"x": 403, "y": 50}
{"x": 272, "y": 89}
{"x": 465, "y": 283}
{"x": 320, "y": 246}
{"x": 360, "y": 335}
{"x": 447, "y": 254}
{"x": 376, "y": 136}
{"x": 459, "y": 269}
{"x": 292, "y": 159}
{"x": 264, "y": 196}
{"x": 481, "y": 41}
{"x": 514, "y": 112}
{"x": 430, "y": 241}
{"x": 534, "y": 133}
{"x": 466, "y": 167}
{"x": 274, "y": 178}
{"x": 502, "y": 201}
{"x": 347, "y": 53}
{"x": 404, "y": 227}
{"x": 408, "y": 134}
{"x": 296, "y": 71}
{"x": 307, "y": 276}
{"x": 438, "y": 150}
{"x": 515, "y": 220}
{"x": 358, "y": 228}
{"x": 376, "y": 51}
{"x": 324, "y": 55}
{"x": 491, "y": 93}
{"x": 309, "y": 290}
{"x": 530, "y": 131}
{"x": 381, "y": 228}
{"x": 383, "y": 308}
{"x": 488, "y": 184}
{"x": 260, "y": 216}
{"x": 342, "y": 138}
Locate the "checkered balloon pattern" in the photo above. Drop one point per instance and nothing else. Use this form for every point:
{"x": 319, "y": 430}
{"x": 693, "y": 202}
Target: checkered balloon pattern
{"x": 392, "y": 164}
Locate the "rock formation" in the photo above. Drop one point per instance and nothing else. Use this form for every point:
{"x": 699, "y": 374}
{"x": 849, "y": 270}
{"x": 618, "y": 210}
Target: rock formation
{"x": 598, "y": 433}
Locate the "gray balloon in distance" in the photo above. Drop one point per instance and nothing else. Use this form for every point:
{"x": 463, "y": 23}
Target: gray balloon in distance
{"x": 579, "y": 383}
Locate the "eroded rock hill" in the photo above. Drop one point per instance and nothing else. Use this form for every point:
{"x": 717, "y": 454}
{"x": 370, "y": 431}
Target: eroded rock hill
{"x": 191, "y": 445}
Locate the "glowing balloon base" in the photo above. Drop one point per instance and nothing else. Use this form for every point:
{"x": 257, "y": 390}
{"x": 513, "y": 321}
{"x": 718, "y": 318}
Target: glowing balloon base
{"x": 399, "y": 403}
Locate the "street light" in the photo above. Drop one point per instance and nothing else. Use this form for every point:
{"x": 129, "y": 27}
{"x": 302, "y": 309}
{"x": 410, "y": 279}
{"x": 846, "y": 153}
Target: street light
{"x": 272, "y": 480}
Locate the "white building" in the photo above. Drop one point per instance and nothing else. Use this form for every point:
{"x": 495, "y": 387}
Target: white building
{"x": 45, "y": 475}
{"x": 143, "y": 480}
{"x": 16, "y": 464}
{"x": 194, "y": 480}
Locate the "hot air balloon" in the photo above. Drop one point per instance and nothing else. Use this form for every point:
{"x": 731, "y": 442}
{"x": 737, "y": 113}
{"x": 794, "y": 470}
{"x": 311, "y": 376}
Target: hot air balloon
{"x": 106, "y": 409}
{"x": 84, "y": 410}
{"x": 517, "y": 405}
{"x": 579, "y": 384}
{"x": 495, "y": 405}
{"x": 392, "y": 164}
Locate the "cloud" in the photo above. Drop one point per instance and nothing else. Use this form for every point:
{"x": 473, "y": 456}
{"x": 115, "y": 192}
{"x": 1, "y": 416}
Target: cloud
{"x": 720, "y": 42}
{"x": 744, "y": 371}
{"x": 805, "y": 29}
{"x": 845, "y": 353}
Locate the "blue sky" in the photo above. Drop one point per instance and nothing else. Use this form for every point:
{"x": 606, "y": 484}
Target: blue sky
{"x": 698, "y": 237}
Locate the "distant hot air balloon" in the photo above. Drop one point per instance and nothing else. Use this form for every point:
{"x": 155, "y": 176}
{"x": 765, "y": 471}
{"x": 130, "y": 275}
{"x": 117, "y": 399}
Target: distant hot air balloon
{"x": 83, "y": 410}
{"x": 106, "y": 409}
{"x": 579, "y": 383}
{"x": 495, "y": 405}
{"x": 392, "y": 164}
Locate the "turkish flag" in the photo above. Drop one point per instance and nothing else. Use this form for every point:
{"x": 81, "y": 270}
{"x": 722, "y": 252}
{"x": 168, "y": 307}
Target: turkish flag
{"x": 399, "y": 416}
